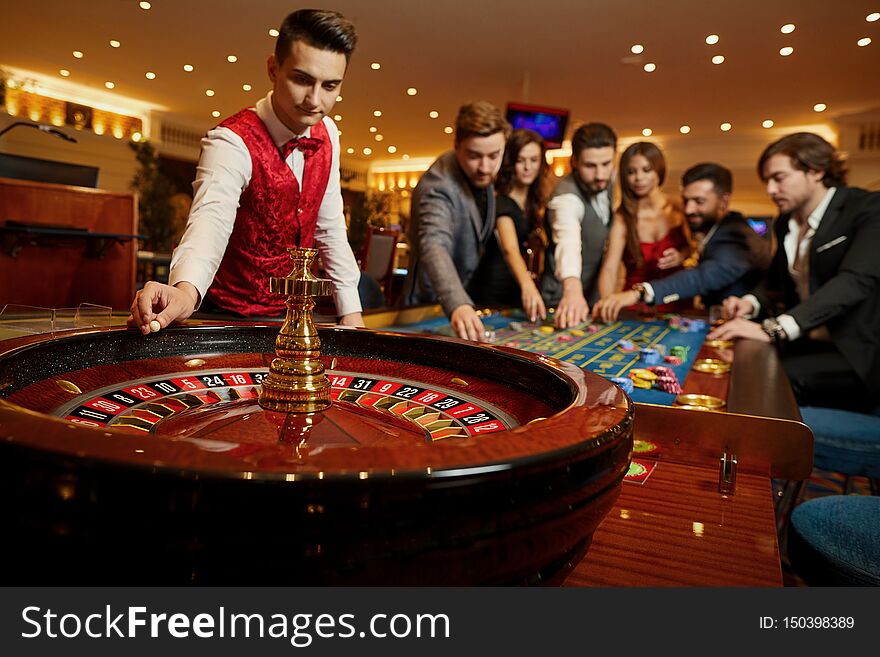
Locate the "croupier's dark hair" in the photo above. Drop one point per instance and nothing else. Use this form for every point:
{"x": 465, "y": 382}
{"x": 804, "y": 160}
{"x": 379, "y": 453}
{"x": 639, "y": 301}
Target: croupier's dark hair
{"x": 592, "y": 135}
{"x": 808, "y": 152}
{"x": 719, "y": 176}
{"x": 320, "y": 28}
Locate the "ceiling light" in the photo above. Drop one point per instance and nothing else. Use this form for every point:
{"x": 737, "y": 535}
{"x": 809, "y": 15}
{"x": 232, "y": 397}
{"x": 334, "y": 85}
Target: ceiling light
{"x": 684, "y": 129}
{"x": 788, "y": 28}
{"x": 231, "y": 59}
{"x": 712, "y": 39}
{"x": 767, "y": 123}
{"x": 109, "y": 85}
{"x": 373, "y": 129}
{"x": 145, "y": 5}
{"x": 339, "y": 132}
{"x": 64, "y": 73}
{"x": 114, "y": 43}
{"x": 650, "y": 67}
{"x": 865, "y": 41}
{"x": 405, "y": 156}
{"x": 377, "y": 113}
{"x": 392, "y": 149}
{"x": 188, "y": 68}
{"x": 368, "y": 151}
{"x": 433, "y": 114}
{"x": 637, "y": 49}
{"x": 150, "y": 75}
{"x": 273, "y": 33}
{"x": 872, "y": 18}
{"x": 379, "y": 137}
{"x": 209, "y": 92}
{"x": 718, "y": 59}
{"x": 375, "y": 66}
{"x": 337, "y": 117}
{"x": 448, "y": 130}
{"x": 338, "y": 99}
{"x": 820, "y": 107}
{"x": 647, "y": 132}
{"x": 78, "y": 54}
{"x": 215, "y": 113}
{"x": 412, "y": 91}
{"x": 785, "y": 52}
{"x": 349, "y": 150}
{"x": 246, "y": 87}
{"x": 725, "y": 127}
{"x": 136, "y": 136}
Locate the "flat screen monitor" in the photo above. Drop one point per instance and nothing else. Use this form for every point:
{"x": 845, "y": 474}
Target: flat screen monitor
{"x": 48, "y": 171}
{"x": 549, "y": 122}
{"x": 761, "y": 225}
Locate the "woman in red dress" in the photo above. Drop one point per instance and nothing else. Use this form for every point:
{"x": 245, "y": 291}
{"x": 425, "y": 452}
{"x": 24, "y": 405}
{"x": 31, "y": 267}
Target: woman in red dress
{"x": 649, "y": 234}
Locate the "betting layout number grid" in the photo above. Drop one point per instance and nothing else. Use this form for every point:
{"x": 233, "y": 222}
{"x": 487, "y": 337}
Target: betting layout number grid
{"x": 597, "y": 351}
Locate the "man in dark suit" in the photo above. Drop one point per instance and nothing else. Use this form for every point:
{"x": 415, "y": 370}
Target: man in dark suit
{"x": 453, "y": 216}
{"x": 733, "y": 257}
{"x": 579, "y": 214}
{"x": 821, "y": 295}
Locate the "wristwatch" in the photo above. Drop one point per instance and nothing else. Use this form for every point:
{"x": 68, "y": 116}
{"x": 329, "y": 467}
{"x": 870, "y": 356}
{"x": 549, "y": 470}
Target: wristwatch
{"x": 640, "y": 288}
{"x": 773, "y": 328}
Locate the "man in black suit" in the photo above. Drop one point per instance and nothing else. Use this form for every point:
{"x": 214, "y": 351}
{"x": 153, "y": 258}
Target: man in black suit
{"x": 821, "y": 295}
{"x": 733, "y": 257}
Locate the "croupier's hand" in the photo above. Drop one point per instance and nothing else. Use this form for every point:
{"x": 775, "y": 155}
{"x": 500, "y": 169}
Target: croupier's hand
{"x": 162, "y": 303}
{"x": 352, "y": 319}
{"x": 466, "y": 323}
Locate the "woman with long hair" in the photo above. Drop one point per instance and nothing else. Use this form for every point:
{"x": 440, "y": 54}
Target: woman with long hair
{"x": 503, "y": 278}
{"x": 649, "y": 234}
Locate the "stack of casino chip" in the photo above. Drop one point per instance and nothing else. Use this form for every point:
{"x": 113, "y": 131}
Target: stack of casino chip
{"x": 680, "y": 351}
{"x": 649, "y": 356}
{"x": 666, "y": 380}
{"x": 642, "y": 378}
{"x": 624, "y": 383}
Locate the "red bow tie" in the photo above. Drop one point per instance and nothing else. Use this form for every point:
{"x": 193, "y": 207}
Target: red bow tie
{"x": 307, "y": 145}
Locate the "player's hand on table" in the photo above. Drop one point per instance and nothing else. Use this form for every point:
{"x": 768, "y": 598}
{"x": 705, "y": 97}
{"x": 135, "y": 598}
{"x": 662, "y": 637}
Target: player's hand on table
{"x": 670, "y": 258}
{"x": 161, "y": 303}
{"x": 352, "y": 319}
{"x": 739, "y": 327}
{"x": 736, "y": 307}
{"x": 467, "y": 324}
{"x": 609, "y": 308}
{"x": 533, "y": 304}
{"x": 572, "y": 310}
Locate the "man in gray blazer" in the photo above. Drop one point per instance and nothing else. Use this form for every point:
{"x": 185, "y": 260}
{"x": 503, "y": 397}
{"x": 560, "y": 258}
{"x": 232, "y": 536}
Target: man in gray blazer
{"x": 578, "y": 217}
{"x": 453, "y": 216}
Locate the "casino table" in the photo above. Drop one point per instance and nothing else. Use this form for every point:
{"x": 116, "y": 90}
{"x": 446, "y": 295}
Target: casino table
{"x": 146, "y": 459}
{"x": 754, "y": 384}
{"x": 672, "y": 525}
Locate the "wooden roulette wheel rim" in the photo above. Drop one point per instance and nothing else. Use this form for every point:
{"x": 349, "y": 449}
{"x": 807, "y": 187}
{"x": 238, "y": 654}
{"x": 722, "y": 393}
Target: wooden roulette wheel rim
{"x": 89, "y": 505}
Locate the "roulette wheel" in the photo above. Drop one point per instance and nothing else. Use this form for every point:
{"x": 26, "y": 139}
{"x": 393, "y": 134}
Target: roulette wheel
{"x": 148, "y": 459}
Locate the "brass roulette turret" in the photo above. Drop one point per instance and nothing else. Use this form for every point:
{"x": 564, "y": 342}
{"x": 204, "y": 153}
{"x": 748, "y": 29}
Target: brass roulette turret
{"x": 296, "y": 382}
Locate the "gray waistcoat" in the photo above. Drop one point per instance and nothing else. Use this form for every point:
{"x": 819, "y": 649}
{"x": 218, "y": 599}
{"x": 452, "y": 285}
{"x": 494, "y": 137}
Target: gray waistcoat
{"x": 594, "y": 234}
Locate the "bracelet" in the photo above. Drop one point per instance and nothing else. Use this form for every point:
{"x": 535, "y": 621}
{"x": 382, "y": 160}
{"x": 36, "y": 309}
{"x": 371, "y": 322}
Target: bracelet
{"x": 640, "y": 288}
{"x": 773, "y": 328}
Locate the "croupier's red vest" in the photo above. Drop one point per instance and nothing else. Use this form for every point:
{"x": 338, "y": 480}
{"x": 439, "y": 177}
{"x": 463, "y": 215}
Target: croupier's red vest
{"x": 274, "y": 213}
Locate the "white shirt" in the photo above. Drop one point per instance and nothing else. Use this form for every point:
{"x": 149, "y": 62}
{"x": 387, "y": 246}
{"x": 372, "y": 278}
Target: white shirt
{"x": 796, "y": 249}
{"x": 568, "y": 215}
{"x": 223, "y": 173}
